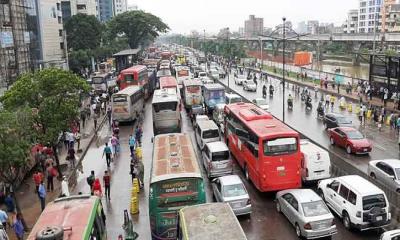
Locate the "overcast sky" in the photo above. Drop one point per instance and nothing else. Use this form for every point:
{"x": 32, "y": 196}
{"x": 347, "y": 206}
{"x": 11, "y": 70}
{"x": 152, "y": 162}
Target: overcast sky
{"x": 182, "y": 16}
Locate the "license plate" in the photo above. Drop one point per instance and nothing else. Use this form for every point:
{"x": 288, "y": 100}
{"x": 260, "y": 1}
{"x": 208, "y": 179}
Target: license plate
{"x": 236, "y": 205}
{"x": 379, "y": 218}
{"x": 282, "y": 173}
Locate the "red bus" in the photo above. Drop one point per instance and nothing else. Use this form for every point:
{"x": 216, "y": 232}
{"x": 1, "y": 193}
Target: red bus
{"x": 134, "y": 76}
{"x": 266, "y": 149}
{"x": 168, "y": 82}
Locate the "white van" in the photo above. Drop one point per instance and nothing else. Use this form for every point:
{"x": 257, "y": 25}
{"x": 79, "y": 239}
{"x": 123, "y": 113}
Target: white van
{"x": 315, "y": 163}
{"x": 232, "y": 98}
{"x": 206, "y": 131}
{"x": 357, "y": 201}
{"x": 216, "y": 159}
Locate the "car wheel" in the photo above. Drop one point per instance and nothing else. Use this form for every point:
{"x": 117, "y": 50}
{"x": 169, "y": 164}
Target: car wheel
{"x": 346, "y": 221}
{"x": 372, "y": 175}
{"x": 246, "y": 173}
{"x": 332, "y": 141}
{"x": 278, "y": 206}
{"x": 298, "y": 231}
{"x": 348, "y": 149}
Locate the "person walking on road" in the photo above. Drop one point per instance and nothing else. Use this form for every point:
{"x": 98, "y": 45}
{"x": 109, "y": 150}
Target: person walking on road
{"x": 37, "y": 178}
{"x": 115, "y": 145}
{"x": 327, "y": 100}
{"x": 97, "y": 188}
{"x": 64, "y": 187}
{"x": 133, "y": 170}
{"x": 107, "y": 184}
{"x": 132, "y": 143}
{"x": 107, "y": 151}
{"x": 51, "y": 173}
{"x": 109, "y": 117}
{"x": 9, "y": 202}
{"x": 140, "y": 172}
{"x": 3, "y": 218}
{"x": 90, "y": 181}
{"x": 42, "y": 196}
{"x": 18, "y": 227}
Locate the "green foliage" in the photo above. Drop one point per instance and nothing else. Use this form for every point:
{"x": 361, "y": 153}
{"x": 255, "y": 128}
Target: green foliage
{"x": 83, "y": 32}
{"x": 79, "y": 59}
{"x": 138, "y": 26}
{"x": 55, "y": 94}
{"x": 15, "y": 141}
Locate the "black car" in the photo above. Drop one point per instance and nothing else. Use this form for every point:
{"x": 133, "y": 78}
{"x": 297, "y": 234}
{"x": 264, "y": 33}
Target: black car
{"x": 333, "y": 120}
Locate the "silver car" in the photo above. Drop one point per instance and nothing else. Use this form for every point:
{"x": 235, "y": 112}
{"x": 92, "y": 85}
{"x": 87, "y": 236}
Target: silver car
{"x": 386, "y": 171}
{"x": 261, "y": 103}
{"x": 230, "y": 189}
{"x": 307, "y": 212}
{"x": 249, "y": 85}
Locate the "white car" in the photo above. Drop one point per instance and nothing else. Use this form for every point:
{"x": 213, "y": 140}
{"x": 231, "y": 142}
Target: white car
{"x": 261, "y": 103}
{"x": 214, "y": 74}
{"x": 239, "y": 79}
{"x": 386, "y": 171}
{"x": 249, "y": 85}
{"x": 391, "y": 235}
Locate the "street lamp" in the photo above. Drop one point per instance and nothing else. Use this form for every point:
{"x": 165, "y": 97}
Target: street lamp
{"x": 261, "y": 54}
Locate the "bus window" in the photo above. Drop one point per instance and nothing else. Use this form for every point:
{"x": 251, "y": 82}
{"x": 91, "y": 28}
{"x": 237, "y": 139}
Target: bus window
{"x": 97, "y": 80}
{"x": 130, "y": 78}
{"x": 280, "y": 145}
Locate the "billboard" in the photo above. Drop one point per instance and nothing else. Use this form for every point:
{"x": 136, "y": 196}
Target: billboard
{"x": 6, "y": 39}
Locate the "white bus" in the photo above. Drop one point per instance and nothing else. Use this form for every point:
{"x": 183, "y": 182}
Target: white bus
{"x": 182, "y": 74}
{"x": 166, "y": 111}
{"x": 127, "y": 104}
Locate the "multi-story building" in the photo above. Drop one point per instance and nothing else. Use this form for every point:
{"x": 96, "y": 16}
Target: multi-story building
{"x": 120, "y": 6}
{"x": 106, "y": 10}
{"x": 368, "y": 16}
{"x": 351, "y": 23}
{"x": 389, "y": 12}
{"x": 253, "y": 27}
{"x": 241, "y": 31}
{"x": 301, "y": 27}
{"x": 14, "y": 41}
{"x": 312, "y": 27}
{"x": 51, "y": 33}
{"x": 132, "y": 7}
{"x": 72, "y": 7}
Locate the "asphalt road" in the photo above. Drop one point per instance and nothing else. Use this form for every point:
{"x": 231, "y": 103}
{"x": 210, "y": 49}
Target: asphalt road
{"x": 384, "y": 143}
{"x": 264, "y": 222}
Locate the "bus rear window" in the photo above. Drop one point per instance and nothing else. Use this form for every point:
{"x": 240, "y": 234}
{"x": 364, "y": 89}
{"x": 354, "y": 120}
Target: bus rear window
{"x": 280, "y": 146}
{"x": 211, "y": 133}
{"x": 119, "y": 99}
{"x": 97, "y": 80}
{"x": 130, "y": 78}
{"x": 164, "y": 106}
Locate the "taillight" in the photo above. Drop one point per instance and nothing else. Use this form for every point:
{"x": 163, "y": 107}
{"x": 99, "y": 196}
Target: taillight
{"x": 307, "y": 226}
{"x": 248, "y": 202}
{"x": 358, "y": 214}
{"x": 306, "y": 172}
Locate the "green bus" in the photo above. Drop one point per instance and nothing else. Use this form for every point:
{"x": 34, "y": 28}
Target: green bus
{"x": 176, "y": 182}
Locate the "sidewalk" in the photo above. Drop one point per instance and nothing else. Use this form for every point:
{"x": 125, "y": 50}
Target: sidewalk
{"x": 376, "y": 102}
{"x": 26, "y": 194}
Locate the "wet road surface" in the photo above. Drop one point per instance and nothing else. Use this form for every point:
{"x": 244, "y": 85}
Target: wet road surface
{"x": 264, "y": 223}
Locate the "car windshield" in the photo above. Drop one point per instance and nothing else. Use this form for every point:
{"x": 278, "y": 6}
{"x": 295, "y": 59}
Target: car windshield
{"x": 234, "y": 190}
{"x": 354, "y": 135}
{"x": 312, "y": 209}
{"x": 371, "y": 201}
{"x": 211, "y": 133}
{"x": 343, "y": 120}
{"x": 236, "y": 99}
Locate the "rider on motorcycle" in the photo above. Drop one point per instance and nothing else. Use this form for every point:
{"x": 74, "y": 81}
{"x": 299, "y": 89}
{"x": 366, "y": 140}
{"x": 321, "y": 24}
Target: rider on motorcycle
{"x": 264, "y": 91}
{"x": 271, "y": 89}
{"x": 320, "y": 109}
{"x": 290, "y": 100}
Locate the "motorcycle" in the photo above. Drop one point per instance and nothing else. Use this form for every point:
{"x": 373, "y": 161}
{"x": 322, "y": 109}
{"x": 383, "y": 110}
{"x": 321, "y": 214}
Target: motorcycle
{"x": 320, "y": 113}
{"x": 308, "y": 104}
{"x": 271, "y": 92}
{"x": 290, "y": 104}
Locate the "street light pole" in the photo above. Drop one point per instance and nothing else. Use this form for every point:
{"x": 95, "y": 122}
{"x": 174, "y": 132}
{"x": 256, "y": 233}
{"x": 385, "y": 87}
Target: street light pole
{"x": 283, "y": 68}
{"x": 261, "y": 54}
{"x": 229, "y": 56}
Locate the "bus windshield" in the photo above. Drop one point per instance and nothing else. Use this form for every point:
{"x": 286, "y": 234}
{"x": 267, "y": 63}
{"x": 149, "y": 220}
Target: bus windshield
{"x": 163, "y": 106}
{"x": 280, "y": 146}
{"x": 193, "y": 89}
{"x": 98, "y": 80}
{"x": 130, "y": 78}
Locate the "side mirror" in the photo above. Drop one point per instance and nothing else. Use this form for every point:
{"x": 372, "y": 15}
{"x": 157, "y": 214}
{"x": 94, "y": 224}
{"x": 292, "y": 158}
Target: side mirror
{"x": 328, "y": 185}
{"x": 393, "y": 178}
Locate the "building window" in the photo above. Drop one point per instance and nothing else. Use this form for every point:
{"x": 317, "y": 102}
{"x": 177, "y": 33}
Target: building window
{"x": 59, "y": 20}
{"x": 58, "y": 6}
{"x": 62, "y": 45}
{"x": 60, "y": 32}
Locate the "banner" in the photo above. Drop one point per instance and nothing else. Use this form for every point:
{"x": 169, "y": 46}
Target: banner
{"x": 6, "y": 39}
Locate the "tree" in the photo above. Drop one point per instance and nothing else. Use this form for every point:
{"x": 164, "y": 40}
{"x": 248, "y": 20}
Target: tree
{"x": 138, "y": 26}
{"x": 16, "y": 129}
{"x": 79, "y": 59}
{"x": 55, "y": 94}
{"x": 83, "y": 32}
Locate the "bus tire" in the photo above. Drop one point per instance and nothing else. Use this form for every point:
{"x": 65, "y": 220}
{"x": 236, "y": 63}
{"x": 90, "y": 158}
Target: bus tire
{"x": 50, "y": 233}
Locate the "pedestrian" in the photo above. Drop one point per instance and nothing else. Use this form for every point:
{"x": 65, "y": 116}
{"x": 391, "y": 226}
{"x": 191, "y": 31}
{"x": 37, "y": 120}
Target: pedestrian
{"x": 109, "y": 115}
{"x": 380, "y": 119}
{"x": 83, "y": 118}
{"x": 90, "y": 181}
{"x": 64, "y": 187}
{"x": 51, "y": 173}
{"x": 140, "y": 172}
{"x": 138, "y": 133}
{"x": 3, "y": 218}
{"x": 398, "y": 124}
{"x": 327, "y": 100}
{"x": 107, "y": 151}
{"x": 332, "y": 102}
{"x": 107, "y": 184}
{"x": 42, "y": 196}
{"x": 96, "y": 189}
{"x": 18, "y": 227}
{"x": 391, "y": 120}
{"x": 95, "y": 122}
{"x": 9, "y": 202}
{"x": 37, "y": 178}
{"x": 132, "y": 143}
{"x": 133, "y": 171}
{"x": 71, "y": 156}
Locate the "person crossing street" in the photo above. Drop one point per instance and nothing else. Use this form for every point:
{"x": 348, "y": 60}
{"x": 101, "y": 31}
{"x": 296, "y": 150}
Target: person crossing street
{"x": 107, "y": 184}
{"x": 107, "y": 151}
